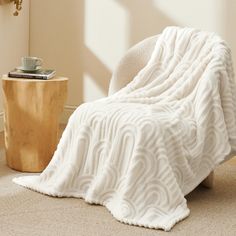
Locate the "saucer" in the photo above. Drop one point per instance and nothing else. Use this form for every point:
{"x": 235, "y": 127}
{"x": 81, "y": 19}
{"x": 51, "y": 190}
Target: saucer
{"x": 25, "y": 70}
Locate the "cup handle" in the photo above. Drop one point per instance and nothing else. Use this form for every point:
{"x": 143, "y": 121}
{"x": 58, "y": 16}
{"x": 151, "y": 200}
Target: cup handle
{"x": 39, "y": 62}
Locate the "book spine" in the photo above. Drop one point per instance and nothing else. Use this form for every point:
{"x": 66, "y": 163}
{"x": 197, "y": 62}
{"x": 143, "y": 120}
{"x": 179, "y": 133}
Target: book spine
{"x": 27, "y": 76}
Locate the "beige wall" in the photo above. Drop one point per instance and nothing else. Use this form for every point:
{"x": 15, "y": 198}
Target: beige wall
{"x": 85, "y": 39}
{"x": 14, "y": 40}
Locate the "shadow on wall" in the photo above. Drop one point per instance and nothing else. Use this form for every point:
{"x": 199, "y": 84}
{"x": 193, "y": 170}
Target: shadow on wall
{"x": 59, "y": 37}
{"x": 101, "y": 75}
{"x": 145, "y": 19}
{"x": 230, "y": 34}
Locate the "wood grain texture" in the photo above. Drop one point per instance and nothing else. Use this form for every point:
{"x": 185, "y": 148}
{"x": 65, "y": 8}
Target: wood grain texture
{"x": 31, "y": 121}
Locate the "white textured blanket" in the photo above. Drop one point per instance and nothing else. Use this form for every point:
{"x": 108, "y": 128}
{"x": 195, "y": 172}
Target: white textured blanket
{"x": 141, "y": 150}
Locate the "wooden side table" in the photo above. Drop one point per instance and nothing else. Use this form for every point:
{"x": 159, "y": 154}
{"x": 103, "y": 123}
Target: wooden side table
{"x": 31, "y": 120}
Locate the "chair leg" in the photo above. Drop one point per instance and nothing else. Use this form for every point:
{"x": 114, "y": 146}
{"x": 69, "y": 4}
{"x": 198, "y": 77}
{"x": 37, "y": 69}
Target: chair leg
{"x": 208, "y": 181}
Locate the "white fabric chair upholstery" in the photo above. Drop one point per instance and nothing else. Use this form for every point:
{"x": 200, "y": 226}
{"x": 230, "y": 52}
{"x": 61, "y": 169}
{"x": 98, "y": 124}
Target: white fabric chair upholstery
{"x": 132, "y": 62}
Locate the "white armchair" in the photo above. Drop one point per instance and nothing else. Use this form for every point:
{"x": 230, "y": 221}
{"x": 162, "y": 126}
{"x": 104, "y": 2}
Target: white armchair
{"x": 132, "y": 62}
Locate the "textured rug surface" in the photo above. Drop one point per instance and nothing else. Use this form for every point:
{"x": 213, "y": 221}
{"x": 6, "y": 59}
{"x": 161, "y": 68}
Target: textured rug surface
{"x": 25, "y": 213}
{"x": 141, "y": 150}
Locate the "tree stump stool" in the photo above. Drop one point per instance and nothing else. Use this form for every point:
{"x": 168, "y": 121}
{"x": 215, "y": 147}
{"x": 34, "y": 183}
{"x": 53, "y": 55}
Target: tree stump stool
{"x": 31, "y": 120}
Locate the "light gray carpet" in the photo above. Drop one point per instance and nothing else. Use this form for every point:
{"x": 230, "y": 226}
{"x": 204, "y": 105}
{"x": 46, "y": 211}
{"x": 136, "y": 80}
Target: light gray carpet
{"x": 24, "y": 212}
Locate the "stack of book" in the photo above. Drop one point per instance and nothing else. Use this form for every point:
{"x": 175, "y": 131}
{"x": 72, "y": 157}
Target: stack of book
{"x": 44, "y": 74}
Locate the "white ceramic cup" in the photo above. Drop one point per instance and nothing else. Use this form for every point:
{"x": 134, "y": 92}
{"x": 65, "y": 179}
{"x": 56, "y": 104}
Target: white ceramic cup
{"x": 31, "y": 63}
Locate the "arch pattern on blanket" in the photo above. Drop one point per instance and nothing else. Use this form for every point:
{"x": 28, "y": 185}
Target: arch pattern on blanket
{"x": 141, "y": 150}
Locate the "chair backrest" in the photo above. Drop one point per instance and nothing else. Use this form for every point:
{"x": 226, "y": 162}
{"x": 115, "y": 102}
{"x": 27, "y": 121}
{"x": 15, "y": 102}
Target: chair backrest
{"x": 132, "y": 62}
